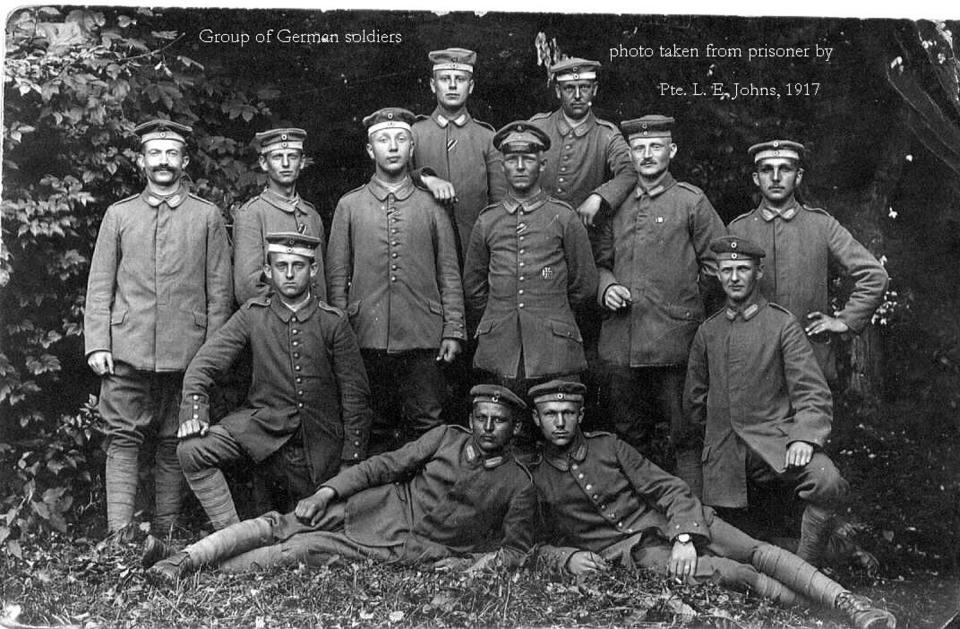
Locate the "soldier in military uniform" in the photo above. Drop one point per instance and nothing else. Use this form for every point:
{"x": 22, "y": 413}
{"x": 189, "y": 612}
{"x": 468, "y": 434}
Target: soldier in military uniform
{"x": 392, "y": 266}
{"x": 441, "y": 499}
{"x": 159, "y": 286}
{"x": 655, "y": 273}
{"x": 755, "y": 392}
{"x": 457, "y": 147}
{"x": 528, "y": 266}
{"x": 279, "y": 208}
{"x": 602, "y": 502}
{"x": 307, "y": 412}
{"x": 803, "y": 242}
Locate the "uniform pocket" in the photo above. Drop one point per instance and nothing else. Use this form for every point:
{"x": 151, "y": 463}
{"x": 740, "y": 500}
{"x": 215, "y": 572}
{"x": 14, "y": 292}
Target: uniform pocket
{"x": 435, "y": 307}
{"x": 200, "y": 318}
{"x": 117, "y": 317}
{"x": 566, "y": 330}
{"x": 353, "y": 308}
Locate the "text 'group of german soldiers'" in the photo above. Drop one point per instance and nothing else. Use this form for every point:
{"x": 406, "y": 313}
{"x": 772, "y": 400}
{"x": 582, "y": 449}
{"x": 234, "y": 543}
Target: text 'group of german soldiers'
{"x": 559, "y": 258}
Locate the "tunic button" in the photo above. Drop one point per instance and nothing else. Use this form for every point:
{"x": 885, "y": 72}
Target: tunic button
{"x": 520, "y": 305}
{"x": 299, "y": 379}
{"x": 561, "y": 179}
{"x": 520, "y": 291}
{"x": 522, "y": 251}
{"x": 619, "y": 525}
{"x": 296, "y": 367}
{"x": 393, "y": 278}
{"x": 394, "y": 254}
{"x": 573, "y": 467}
{"x": 393, "y": 231}
{"x": 196, "y": 397}
{"x": 521, "y": 278}
{"x": 564, "y": 169}
{"x": 299, "y": 404}
{"x": 294, "y": 331}
{"x": 521, "y": 262}
{"x": 521, "y": 237}
{"x": 595, "y": 496}
{"x": 567, "y": 146}
{"x": 195, "y": 416}
{"x": 356, "y": 443}
{"x": 296, "y": 354}
{"x": 580, "y": 475}
{"x": 394, "y": 267}
{"x": 299, "y": 392}
{"x": 603, "y": 507}
{"x": 295, "y": 343}
{"x": 393, "y": 242}
{"x": 196, "y": 407}
{"x": 589, "y": 487}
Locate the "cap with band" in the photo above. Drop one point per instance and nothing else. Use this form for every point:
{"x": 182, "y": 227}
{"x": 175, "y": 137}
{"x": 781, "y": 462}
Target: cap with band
{"x": 498, "y": 395}
{"x": 735, "y": 248}
{"x": 453, "y": 59}
{"x": 389, "y": 118}
{"x": 557, "y": 391}
{"x": 651, "y": 126}
{"x": 521, "y": 137}
{"x": 160, "y": 129}
{"x": 283, "y": 138}
{"x": 776, "y": 148}
{"x": 574, "y": 69}
{"x": 293, "y": 242}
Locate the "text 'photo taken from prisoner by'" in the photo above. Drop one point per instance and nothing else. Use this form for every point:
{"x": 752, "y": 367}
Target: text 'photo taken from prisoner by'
{"x": 405, "y": 317}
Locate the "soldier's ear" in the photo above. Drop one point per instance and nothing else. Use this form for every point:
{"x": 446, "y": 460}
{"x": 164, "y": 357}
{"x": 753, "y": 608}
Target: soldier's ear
{"x": 756, "y": 178}
{"x": 433, "y": 85}
{"x": 799, "y": 175}
{"x": 673, "y": 150}
{"x": 759, "y": 270}
{"x": 186, "y": 160}
{"x": 140, "y": 160}
{"x": 470, "y": 87}
{"x": 580, "y": 415}
{"x": 314, "y": 269}
{"x": 262, "y": 159}
{"x": 556, "y": 87}
{"x": 370, "y": 152}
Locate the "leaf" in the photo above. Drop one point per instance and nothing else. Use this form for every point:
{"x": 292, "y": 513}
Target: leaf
{"x": 13, "y": 547}
{"x": 396, "y": 616}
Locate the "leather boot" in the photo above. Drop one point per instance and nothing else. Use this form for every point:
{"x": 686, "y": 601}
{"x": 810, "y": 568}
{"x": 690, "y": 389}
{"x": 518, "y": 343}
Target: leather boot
{"x": 862, "y": 613}
{"x": 167, "y": 572}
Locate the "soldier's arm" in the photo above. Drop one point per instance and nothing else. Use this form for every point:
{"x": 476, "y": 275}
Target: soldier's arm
{"x": 219, "y": 277}
{"x": 476, "y": 284}
{"x": 671, "y": 495}
{"x": 605, "y": 260}
{"x": 870, "y": 278}
{"x": 248, "y": 258}
{"x": 448, "y": 276}
{"x": 705, "y": 226}
{"x": 810, "y": 396}
{"x": 582, "y": 275}
{"x": 354, "y": 389}
{"x": 496, "y": 181}
{"x": 339, "y": 262}
{"x": 696, "y": 388}
{"x": 101, "y": 286}
{"x": 518, "y": 527}
{"x": 624, "y": 178}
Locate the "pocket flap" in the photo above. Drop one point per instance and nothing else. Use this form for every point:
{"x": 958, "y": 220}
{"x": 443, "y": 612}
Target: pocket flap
{"x": 200, "y": 318}
{"x": 435, "y": 307}
{"x": 353, "y": 308}
{"x": 117, "y": 317}
{"x": 566, "y": 330}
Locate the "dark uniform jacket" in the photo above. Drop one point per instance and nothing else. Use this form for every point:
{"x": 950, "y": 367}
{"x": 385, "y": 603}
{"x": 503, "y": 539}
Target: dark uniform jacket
{"x": 461, "y": 151}
{"x": 439, "y": 488}
{"x": 160, "y": 281}
{"x": 392, "y": 265}
{"x": 527, "y": 266}
{"x": 657, "y": 246}
{"x": 307, "y": 374}
{"x": 753, "y": 382}
{"x": 267, "y": 213}
{"x": 801, "y": 243}
{"x": 603, "y": 496}
{"x": 593, "y": 157}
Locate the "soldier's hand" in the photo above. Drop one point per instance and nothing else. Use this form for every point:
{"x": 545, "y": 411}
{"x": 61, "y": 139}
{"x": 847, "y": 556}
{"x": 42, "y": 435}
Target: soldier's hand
{"x": 683, "y": 560}
{"x": 820, "y": 322}
{"x": 312, "y": 508}
{"x": 101, "y": 362}
{"x": 441, "y": 189}
{"x": 589, "y": 208}
{"x": 799, "y": 454}
{"x": 616, "y": 296}
{"x": 449, "y": 348}
{"x": 583, "y": 562}
{"x": 192, "y": 428}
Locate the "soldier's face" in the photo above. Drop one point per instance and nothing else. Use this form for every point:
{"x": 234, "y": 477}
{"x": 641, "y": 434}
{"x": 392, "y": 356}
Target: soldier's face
{"x": 651, "y": 156}
{"x": 777, "y": 178}
{"x": 576, "y": 97}
{"x": 290, "y": 274}
{"x": 390, "y": 149}
{"x": 162, "y": 161}
{"x": 492, "y": 425}
{"x": 282, "y": 165}
{"x": 558, "y": 420}
{"x": 739, "y": 278}
{"x": 522, "y": 171}
{"x": 452, "y": 87}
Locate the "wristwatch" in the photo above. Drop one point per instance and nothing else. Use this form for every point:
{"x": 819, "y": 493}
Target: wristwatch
{"x": 683, "y": 538}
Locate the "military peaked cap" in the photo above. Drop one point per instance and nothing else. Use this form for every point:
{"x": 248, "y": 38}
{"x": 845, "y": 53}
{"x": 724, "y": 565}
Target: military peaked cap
{"x": 574, "y": 69}
{"x": 453, "y": 59}
{"x": 776, "y": 148}
{"x": 734, "y": 247}
{"x": 389, "y": 118}
{"x": 160, "y": 129}
{"x": 293, "y": 242}
{"x": 557, "y": 391}
{"x": 284, "y": 138}
{"x": 498, "y": 395}
{"x": 521, "y": 137}
{"x": 651, "y": 126}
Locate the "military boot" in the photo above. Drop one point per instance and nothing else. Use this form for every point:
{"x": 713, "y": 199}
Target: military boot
{"x": 155, "y": 549}
{"x": 167, "y": 572}
{"x": 862, "y": 613}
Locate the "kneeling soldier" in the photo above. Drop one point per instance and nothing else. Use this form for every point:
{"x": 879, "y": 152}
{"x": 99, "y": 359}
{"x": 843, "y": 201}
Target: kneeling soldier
{"x": 307, "y": 412}
{"x": 604, "y": 502}
{"x": 451, "y": 493}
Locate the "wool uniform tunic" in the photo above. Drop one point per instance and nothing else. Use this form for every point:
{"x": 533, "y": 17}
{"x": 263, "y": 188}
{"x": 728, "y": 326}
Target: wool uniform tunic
{"x": 754, "y": 384}
{"x": 592, "y": 157}
{"x": 461, "y": 151}
{"x": 529, "y": 264}
{"x": 801, "y": 243}
{"x": 307, "y": 375}
{"x": 269, "y": 213}
{"x": 392, "y": 266}
{"x": 657, "y": 247}
{"x": 160, "y": 281}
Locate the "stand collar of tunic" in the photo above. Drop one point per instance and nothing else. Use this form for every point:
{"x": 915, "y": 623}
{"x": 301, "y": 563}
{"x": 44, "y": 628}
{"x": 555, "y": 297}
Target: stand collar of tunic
{"x": 286, "y": 204}
{"x": 768, "y": 213}
{"x": 748, "y": 310}
{"x": 475, "y": 457}
{"x": 380, "y": 191}
{"x": 576, "y": 452}
{"x": 666, "y": 182}
{"x": 511, "y": 203}
{"x": 285, "y": 314}
{"x": 580, "y": 130}
{"x": 172, "y": 200}
{"x": 442, "y": 121}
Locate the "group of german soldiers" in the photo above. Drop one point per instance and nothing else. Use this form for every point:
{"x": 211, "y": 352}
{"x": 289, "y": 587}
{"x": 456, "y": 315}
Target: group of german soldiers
{"x": 522, "y": 240}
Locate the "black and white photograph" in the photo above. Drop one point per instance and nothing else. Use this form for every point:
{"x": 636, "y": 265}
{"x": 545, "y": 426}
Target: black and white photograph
{"x": 458, "y": 316}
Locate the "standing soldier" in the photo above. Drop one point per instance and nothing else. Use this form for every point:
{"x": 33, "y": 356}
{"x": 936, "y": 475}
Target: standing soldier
{"x": 457, "y": 147}
{"x": 760, "y": 402}
{"x": 277, "y": 209}
{"x": 306, "y": 414}
{"x": 392, "y": 266}
{"x": 802, "y": 243}
{"x": 655, "y": 271}
{"x": 159, "y": 286}
{"x": 528, "y": 265}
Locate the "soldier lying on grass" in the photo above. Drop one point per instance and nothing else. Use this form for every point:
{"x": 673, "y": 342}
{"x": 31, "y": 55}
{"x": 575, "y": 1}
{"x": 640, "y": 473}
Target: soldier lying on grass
{"x": 604, "y": 502}
{"x": 440, "y": 499}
